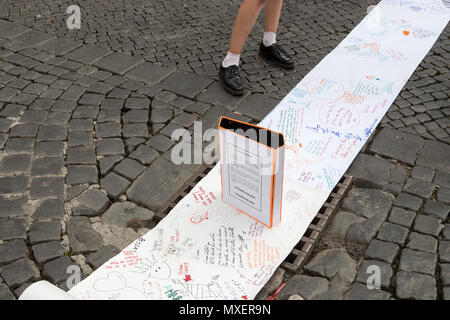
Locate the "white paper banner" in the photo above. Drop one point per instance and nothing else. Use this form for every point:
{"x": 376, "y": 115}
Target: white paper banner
{"x": 204, "y": 249}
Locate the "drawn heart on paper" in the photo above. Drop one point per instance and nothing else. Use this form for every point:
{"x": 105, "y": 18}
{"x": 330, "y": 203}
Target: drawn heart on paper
{"x": 114, "y": 281}
{"x": 406, "y": 32}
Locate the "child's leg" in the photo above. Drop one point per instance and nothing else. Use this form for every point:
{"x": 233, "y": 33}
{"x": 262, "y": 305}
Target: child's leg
{"x": 246, "y": 19}
{"x": 271, "y": 20}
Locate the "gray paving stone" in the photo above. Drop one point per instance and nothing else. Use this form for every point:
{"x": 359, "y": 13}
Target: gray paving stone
{"x": 341, "y": 222}
{"x": 117, "y": 63}
{"x": 81, "y": 155}
{"x": 136, "y": 116}
{"x": 398, "y": 145}
{"x": 411, "y": 285}
{"x": 83, "y": 238}
{"x": 16, "y": 184}
{"x": 305, "y": 286}
{"x": 444, "y": 251}
{"x": 373, "y": 172}
{"x": 123, "y": 213}
{"x": 110, "y": 146}
{"x": 107, "y": 163}
{"x": 381, "y": 250}
{"x": 81, "y": 174}
{"x": 442, "y": 179}
{"x": 44, "y": 252}
{"x": 85, "y": 112}
{"x": 98, "y": 258}
{"x": 114, "y": 184}
{"x": 49, "y": 149}
{"x": 435, "y": 155}
{"x": 47, "y": 166}
{"x": 32, "y": 38}
{"x": 408, "y": 201}
{"x": 129, "y": 169}
{"x": 73, "y": 93}
{"x": 361, "y": 292}
{"x": 419, "y": 188}
{"x": 24, "y": 130}
{"x": 9, "y": 29}
{"x": 149, "y": 73}
{"x": 19, "y": 272}
{"x": 216, "y": 96}
{"x": 10, "y": 207}
{"x": 144, "y": 154}
{"x": 368, "y": 202}
{"x": 184, "y": 119}
{"x": 108, "y": 130}
{"x": 79, "y": 139}
{"x": 365, "y": 272}
{"x": 3, "y": 138}
{"x": 59, "y": 46}
{"x": 446, "y": 293}
{"x": 19, "y": 145}
{"x": 445, "y": 274}
{"x": 392, "y": 232}
{"x": 137, "y": 103}
{"x": 74, "y": 191}
{"x": 428, "y": 225}
{"x": 80, "y": 125}
{"x": 197, "y": 107}
{"x": 437, "y": 209}
{"x": 56, "y": 270}
{"x": 94, "y": 199}
{"x": 160, "y": 143}
{"x": 47, "y": 187}
{"x": 5, "y": 293}
{"x": 135, "y": 130}
{"x": 443, "y": 195}
{"x": 161, "y": 116}
{"x": 423, "y": 173}
{"x": 185, "y": 84}
{"x": 107, "y": 115}
{"x": 417, "y": 261}
{"x": 12, "y": 250}
{"x": 15, "y": 163}
{"x": 51, "y": 133}
{"x": 402, "y": 217}
{"x": 157, "y": 182}
{"x": 88, "y": 54}
{"x": 49, "y": 209}
{"x": 44, "y": 231}
{"x": 421, "y": 242}
{"x": 333, "y": 264}
{"x": 446, "y": 232}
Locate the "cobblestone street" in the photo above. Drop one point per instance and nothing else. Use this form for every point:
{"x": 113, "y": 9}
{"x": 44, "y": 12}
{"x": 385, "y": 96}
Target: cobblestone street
{"x": 85, "y": 124}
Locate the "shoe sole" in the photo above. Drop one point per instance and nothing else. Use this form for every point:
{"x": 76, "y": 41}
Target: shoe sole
{"x": 229, "y": 90}
{"x": 282, "y": 65}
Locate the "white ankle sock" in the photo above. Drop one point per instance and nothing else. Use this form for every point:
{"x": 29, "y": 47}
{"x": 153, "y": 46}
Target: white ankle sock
{"x": 231, "y": 59}
{"x": 269, "y": 38}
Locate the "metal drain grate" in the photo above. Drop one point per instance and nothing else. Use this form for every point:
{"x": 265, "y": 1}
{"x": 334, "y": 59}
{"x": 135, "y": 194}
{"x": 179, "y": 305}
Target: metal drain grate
{"x": 306, "y": 245}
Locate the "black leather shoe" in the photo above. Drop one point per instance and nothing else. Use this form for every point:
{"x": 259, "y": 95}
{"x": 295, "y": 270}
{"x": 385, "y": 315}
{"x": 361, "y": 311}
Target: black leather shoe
{"x": 231, "y": 80}
{"x": 276, "y": 54}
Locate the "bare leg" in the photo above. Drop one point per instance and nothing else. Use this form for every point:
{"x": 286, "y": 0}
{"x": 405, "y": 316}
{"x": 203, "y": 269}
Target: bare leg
{"x": 272, "y": 17}
{"x": 246, "y": 19}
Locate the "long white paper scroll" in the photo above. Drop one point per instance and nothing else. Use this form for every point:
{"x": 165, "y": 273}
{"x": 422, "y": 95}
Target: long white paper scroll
{"x": 204, "y": 249}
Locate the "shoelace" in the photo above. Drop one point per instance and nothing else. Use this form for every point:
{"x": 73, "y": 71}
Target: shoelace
{"x": 279, "y": 49}
{"x": 234, "y": 73}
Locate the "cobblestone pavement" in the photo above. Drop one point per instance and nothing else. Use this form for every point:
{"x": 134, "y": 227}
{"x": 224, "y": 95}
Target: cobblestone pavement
{"x": 84, "y": 127}
{"x": 194, "y": 35}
